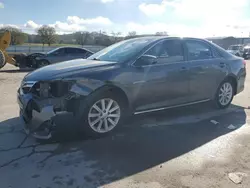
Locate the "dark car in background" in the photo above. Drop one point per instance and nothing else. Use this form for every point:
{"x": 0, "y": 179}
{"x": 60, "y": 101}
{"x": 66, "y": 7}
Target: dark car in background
{"x": 131, "y": 77}
{"x": 246, "y": 52}
{"x": 37, "y": 60}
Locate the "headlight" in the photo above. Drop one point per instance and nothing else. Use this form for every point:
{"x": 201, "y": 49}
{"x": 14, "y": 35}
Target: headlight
{"x": 53, "y": 88}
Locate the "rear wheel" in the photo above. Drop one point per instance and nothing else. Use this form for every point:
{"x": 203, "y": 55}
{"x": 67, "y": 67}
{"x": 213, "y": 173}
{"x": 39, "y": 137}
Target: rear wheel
{"x": 102, "y": 114}
{"x": 224, "y": 94}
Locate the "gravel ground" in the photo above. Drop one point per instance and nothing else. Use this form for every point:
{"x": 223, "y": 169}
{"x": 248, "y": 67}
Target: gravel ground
{"x": 194, "y": 146}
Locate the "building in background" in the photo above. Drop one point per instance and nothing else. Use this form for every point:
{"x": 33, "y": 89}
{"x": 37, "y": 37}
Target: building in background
{"x": 225, "y": 42}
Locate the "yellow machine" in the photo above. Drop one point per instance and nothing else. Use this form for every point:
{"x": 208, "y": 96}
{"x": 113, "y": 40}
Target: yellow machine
{"x": 4, "y": 44}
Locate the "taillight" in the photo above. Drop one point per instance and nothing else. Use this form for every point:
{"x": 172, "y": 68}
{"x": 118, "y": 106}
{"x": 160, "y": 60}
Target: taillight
{"x": 244, "y": 63}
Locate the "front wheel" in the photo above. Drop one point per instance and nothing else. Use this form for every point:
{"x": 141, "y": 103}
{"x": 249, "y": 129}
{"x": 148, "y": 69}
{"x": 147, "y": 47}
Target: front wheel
{"x": 102, "y": 114}
{"x": 42, "y": 63}
{"x": 2, "y": 59}
{"x": 224, "y": 95}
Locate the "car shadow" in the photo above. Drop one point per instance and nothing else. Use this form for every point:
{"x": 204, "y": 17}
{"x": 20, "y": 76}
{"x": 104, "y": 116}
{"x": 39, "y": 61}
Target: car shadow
{"x": 149, "y": 140}
{"x": 16, "y": 70}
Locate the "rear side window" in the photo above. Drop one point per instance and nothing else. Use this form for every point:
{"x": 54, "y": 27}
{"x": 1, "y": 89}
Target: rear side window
{"x": 168, "y": 51}
{"x": 80, "y": 51}
{"x": 198, "y": 50}
{"x": 72, "y": 50}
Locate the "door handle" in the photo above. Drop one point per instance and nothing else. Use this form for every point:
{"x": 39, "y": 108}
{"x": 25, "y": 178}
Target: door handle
{"x": 222, "y": 65}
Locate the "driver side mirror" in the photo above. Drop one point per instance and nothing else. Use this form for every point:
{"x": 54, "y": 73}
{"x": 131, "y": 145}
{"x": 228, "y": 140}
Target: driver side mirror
{"x": 146, "y": 60}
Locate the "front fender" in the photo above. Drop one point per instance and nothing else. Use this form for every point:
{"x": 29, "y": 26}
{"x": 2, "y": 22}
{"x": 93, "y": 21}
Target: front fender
{"x": 86, "y": 86}
{"x": 83, "y": 88}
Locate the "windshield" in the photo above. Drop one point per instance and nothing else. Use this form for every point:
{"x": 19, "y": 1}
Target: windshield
{"x": 234, "y": 47}
{"x": 52, "y": 51}
{"x": 122, "y": 51}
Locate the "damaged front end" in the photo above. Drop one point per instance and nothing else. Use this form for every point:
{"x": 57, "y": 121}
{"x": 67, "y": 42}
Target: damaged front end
{"x": 46, "y": 104}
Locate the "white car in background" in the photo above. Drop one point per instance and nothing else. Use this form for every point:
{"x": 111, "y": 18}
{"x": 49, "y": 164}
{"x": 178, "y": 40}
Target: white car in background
{"x": 236, "y": 50}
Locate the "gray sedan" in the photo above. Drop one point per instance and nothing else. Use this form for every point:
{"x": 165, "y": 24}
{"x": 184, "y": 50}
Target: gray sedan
{"x": 134, "y": 76}
{"x": 61, "y": 54}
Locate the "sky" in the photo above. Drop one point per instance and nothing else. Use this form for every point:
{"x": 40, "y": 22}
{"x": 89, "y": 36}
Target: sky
{"x": 194, "y": 18}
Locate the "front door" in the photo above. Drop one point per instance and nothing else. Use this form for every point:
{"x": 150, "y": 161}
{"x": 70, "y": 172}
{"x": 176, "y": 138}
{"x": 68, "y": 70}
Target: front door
{"x": 164, "y": 83}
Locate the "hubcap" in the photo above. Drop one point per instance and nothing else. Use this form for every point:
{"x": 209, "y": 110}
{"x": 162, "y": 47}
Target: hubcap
{"x": 225, "y": 94}
{"x": 104, "y": 115}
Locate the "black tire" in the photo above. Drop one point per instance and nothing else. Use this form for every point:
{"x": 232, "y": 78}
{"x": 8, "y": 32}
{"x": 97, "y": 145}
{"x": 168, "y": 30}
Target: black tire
{"x": 217, "y": 102}
{"x": 2, "y": 59}
{"x": 42, "y": 63}
{"x": 86, "y": 105}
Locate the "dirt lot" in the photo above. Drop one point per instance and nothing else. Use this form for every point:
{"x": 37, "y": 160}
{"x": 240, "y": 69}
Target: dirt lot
{"x": 190, "y": 147}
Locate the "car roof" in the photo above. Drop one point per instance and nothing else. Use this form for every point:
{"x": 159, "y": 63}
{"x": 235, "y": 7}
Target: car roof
{"x": 156, "y": 38}
{"x": 236, "y": 45}
{"x": 75, "y": 48}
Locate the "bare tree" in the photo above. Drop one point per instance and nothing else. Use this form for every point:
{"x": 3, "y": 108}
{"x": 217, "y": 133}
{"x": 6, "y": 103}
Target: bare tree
{"x": 162, "y": 33}
{"x": 132, "y": 33}
{"x": 115, "y": 35}
{"x": 81, "y": 37}
{"x": 47, "y": 34}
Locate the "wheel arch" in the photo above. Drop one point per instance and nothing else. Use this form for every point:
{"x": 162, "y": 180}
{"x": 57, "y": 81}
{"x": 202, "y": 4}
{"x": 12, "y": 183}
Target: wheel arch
{"x": 117, "y": 90}
{"x": 232, "y": 78}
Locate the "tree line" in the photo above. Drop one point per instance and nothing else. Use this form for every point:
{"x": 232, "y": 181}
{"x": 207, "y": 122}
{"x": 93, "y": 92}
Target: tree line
{"x": 47, "y": 35}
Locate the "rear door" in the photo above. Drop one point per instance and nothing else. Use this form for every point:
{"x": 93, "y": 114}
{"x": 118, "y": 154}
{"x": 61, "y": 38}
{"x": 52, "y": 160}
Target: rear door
{"x": 206, "y": 69}
{"x": 164, "y": 83}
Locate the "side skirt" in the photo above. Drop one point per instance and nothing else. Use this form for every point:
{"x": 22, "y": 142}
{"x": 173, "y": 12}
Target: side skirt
{"x": 169, "y": 107}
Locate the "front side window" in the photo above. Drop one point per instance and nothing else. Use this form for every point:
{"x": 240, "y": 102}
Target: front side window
{"x": 57, "y": 51}
{"x": 71, "y": 50}
{"x": 168, "y": 51}
{"x": 198, "y": 50}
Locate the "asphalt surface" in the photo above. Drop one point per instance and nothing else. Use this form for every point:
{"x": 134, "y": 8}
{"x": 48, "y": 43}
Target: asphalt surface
{"x": 187, "y": 147}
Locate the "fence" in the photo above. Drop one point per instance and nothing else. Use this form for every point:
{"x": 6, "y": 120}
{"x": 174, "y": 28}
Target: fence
{"x": 32, "y": 49}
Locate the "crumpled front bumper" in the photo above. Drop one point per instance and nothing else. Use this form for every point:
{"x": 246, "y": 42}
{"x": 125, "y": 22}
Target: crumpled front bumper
{"x": 40, "y": 119}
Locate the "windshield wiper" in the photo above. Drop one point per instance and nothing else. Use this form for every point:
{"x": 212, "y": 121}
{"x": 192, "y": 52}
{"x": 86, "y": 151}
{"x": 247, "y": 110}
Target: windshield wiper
{"x": 96, "y": 59}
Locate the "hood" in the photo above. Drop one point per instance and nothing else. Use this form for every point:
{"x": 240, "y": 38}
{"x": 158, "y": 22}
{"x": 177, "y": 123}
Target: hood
{"x": 232, "y": 51}
{"x": 66, "y": 69}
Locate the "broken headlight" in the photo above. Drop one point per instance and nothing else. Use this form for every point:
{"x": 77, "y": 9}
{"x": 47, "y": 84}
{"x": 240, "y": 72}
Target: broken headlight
{"x": 52, "y": 89}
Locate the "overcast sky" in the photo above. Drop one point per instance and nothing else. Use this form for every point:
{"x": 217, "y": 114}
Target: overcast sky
{"x": 199, "y": 18}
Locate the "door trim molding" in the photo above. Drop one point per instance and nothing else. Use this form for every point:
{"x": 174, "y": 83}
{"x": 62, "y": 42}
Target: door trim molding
{"x": 169, "y": 107}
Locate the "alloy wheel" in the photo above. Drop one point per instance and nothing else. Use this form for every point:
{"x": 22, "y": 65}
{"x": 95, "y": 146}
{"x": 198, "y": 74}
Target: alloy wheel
{"x": 104, "y": 115}
{"x": 225, "y": 94}
{"x": 43, "y": 64}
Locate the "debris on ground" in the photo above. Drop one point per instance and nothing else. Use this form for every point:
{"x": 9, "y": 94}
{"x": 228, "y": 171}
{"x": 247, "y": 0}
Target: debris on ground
{"x": 231, "y": 126}
{"x": 214, "y": 122}
{"x": 237, "y": 177}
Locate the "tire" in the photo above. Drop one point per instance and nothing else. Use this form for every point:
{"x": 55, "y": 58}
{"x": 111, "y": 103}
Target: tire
{"x": 2, "y": 59}
{"x": 219, "y": 102}
{"x": 42, "y": 63}
{"x": 87, "y": 108}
